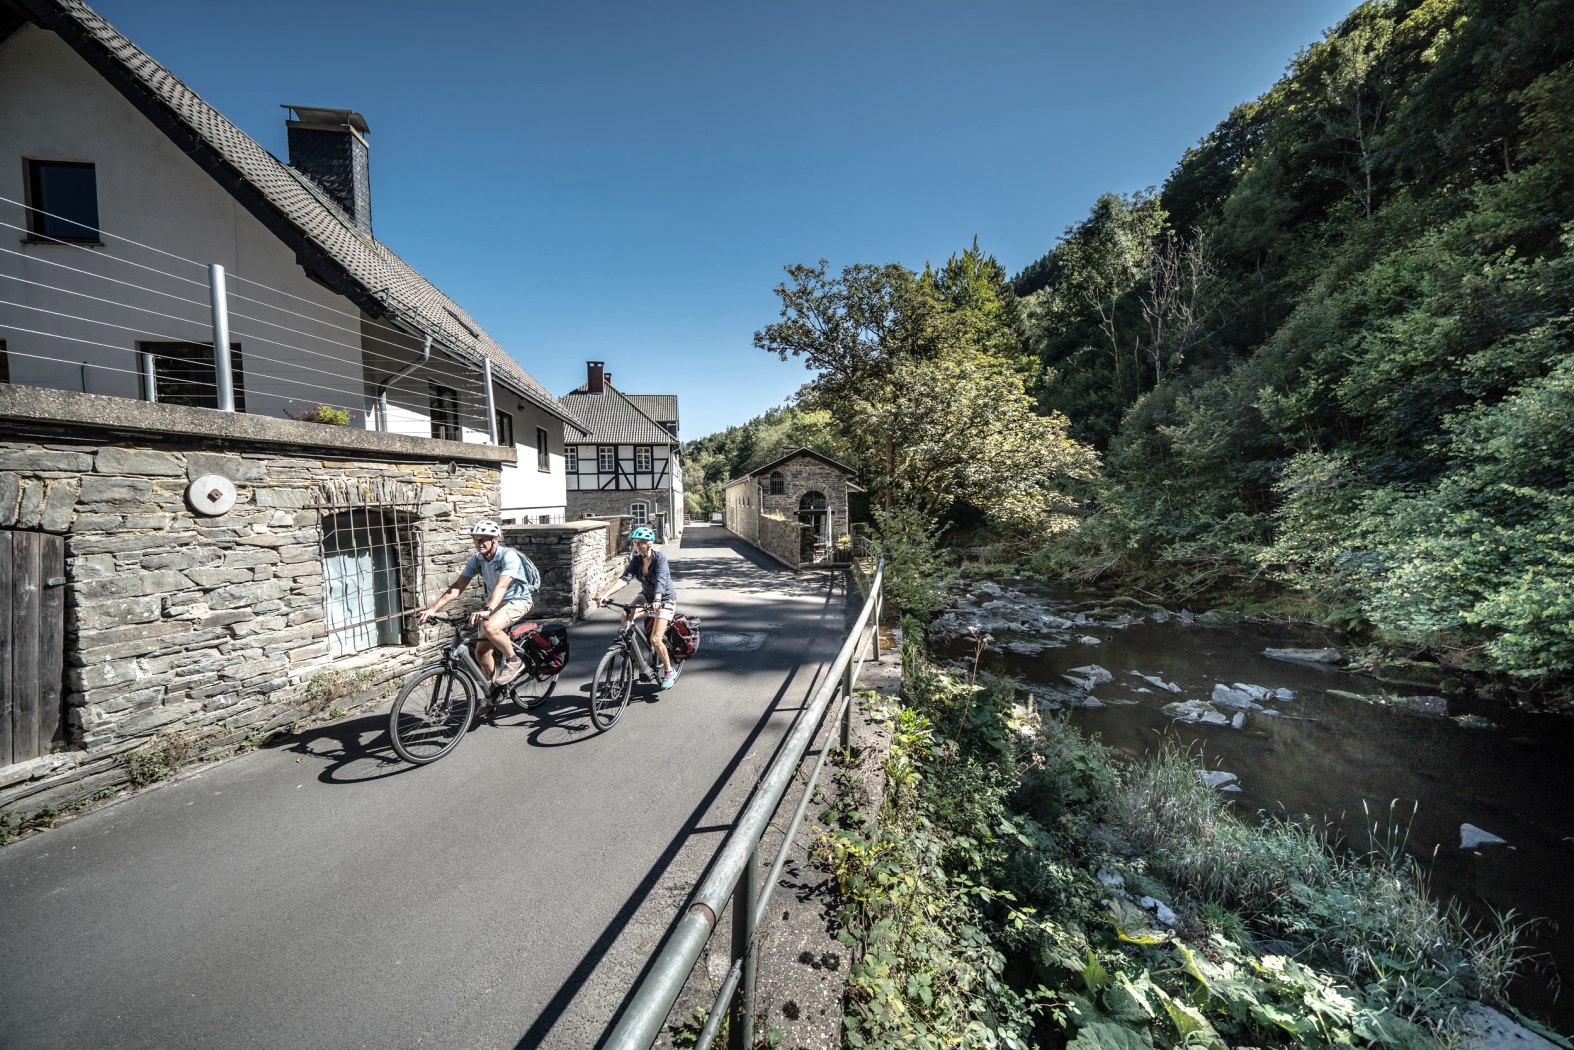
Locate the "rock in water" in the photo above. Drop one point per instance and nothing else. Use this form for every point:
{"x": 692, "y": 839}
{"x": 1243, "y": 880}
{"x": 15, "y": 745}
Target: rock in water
{"x": 1217, "y": 778}
{"x": 1472, "y": 837}
{"x": 1239, "y": 721}
{"x": 1227, "y": 697}
{"x": 1306, "y": 656}
{"x": 1155, "y": 680}
{"x": 1093, "y": 673}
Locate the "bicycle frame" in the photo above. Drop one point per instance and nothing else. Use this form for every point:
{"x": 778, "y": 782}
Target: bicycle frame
{"x": 460, "y": 658}
{"x": 633, "y": 640}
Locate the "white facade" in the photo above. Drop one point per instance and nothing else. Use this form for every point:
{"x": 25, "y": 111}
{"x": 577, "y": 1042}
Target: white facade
{"x": 53, "y": 106}
{"x": 86, "y": 316}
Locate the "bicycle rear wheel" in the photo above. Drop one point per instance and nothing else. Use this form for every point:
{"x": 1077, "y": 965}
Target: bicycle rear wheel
{"x": 432, "y": 714}
{"x": 529, "y": 693}
{"x": 610, "y": 689}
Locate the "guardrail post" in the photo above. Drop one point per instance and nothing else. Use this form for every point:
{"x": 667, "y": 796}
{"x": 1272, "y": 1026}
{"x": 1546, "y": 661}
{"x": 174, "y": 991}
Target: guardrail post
{"x": 744, "y": 900}
{"x": 874, "y": 622}
{"x": 219, "y": 300}
{"x": 847, "y": 712}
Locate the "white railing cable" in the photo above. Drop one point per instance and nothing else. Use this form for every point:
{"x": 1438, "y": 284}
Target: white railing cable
{"x": 104, "y": 277}
{"x": 110, "y": 302}
{"x": 101, "y": 232}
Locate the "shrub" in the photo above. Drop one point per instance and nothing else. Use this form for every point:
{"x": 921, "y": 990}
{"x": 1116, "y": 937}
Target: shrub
{"x": 330, "y": 415}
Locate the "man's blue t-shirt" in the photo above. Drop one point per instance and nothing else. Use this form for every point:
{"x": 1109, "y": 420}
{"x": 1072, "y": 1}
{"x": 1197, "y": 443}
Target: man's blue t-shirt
{"x": 505, "y": 562}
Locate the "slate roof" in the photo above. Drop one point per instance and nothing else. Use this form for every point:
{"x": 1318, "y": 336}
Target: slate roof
{"x": 663, "y": 408}
{"x": 615, "y": 418}
{"x": 761, "y": 471}
{"x": 353, "y": 263}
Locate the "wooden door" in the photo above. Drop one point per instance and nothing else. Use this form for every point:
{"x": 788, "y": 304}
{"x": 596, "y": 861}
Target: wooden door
{"x": 32, "y": 624}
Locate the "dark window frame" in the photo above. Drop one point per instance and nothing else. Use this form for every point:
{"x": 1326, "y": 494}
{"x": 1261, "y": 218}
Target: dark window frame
{"x": 571, "y": 459}
{"x": 505, "y": 429}
{"x": 42, "y": 226}
{"x": 602, "y": 453}
{"x": 778, "y": 483}
{"x": 543, "y": 451}
{"x": 5, "y": 364}
{"x": 198, "y": 358}
{"x": 443, "y": 404}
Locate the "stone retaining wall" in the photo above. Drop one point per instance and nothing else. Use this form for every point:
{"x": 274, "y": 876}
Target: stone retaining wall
{"x": 203, "y": 629}
{"x": 780, "y": 538}
{"x": 573, "y": 562}
{"x": 207, "y": 626}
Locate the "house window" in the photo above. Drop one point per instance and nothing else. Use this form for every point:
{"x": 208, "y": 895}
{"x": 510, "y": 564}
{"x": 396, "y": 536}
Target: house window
{"x": 778, "y": 484}
{"x": 5, "y": 364}
{"x": 505, "y": 429}
{"x": 643, "y": 458}
{"x": 571, "y": 459}
{"x": 606, "y": 459}
{"x": 184, "y": 374}
{"x": 445, "y": 413}
{"x": 639, "y": 510}
{"x": 367, "y": 555}
{"x": 543, "y": 451}
{"x": 63, "y": 199}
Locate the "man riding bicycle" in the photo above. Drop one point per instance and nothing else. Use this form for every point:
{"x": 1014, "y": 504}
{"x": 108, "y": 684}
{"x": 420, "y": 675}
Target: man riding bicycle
{"x": 511, "y": 580}
{"x": 655, "y": 577}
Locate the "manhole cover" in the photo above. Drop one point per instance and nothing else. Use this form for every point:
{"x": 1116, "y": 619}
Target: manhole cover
{"x": 733, "y": 641}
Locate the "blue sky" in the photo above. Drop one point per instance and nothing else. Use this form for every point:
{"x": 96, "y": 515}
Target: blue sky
{"x": 624, "y": 182}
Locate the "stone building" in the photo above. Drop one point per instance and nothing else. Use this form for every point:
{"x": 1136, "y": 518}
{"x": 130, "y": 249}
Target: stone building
{"x": 794, "y": 507}
{"x": 630, "y": 463}
{"x": 177, "y": 581}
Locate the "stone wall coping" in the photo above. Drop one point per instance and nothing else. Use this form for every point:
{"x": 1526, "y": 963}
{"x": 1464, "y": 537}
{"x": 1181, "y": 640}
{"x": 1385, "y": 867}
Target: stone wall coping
{"x": 563, "y": 526}
{"x": 115, "y": 415}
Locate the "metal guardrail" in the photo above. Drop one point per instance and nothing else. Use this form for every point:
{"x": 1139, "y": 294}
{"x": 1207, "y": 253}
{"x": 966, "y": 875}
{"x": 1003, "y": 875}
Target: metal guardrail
{"x": 735, "y": 875}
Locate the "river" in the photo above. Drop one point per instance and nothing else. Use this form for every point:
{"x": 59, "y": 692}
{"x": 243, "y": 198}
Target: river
{"x": 1323, "y": 755}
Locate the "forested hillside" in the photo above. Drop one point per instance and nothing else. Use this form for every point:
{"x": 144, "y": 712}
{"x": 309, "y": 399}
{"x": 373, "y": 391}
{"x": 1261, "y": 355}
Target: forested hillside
{"x": 1330, "y": 356}
{"x": 1335, "y": 346}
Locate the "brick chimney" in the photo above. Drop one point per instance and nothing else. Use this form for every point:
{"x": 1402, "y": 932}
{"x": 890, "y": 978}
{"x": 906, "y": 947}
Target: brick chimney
{"x": 595, "y": 377}
{"x": 328, "y": 146}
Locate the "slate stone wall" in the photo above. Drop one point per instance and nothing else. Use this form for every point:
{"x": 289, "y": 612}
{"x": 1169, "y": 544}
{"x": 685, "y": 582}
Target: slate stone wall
{"x": 211, "y": 627}
{"x": 573, "y": 562}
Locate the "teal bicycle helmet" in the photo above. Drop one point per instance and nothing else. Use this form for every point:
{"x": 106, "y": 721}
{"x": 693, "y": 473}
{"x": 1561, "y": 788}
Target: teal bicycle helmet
{"x": 644, "y": 532}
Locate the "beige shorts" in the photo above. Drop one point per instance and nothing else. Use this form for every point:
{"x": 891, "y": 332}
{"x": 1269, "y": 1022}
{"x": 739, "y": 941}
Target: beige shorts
{"x": 515, "y": 611}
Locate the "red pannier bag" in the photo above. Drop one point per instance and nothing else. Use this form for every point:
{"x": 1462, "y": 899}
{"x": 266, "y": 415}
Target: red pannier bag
{"x": 544, "y": 648}
{"x": 683, "y": 636}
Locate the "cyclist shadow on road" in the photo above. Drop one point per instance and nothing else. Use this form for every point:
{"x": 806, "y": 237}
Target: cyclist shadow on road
{"x": 357, "y": 750}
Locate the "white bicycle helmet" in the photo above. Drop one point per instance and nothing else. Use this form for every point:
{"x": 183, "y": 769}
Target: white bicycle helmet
{"x": 485, "y": 528}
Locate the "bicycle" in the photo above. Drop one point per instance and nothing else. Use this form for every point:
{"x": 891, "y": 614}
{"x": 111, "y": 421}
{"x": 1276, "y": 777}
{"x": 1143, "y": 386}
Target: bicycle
{"x": 436, "y": 706}
{"x": 629, "y": 656}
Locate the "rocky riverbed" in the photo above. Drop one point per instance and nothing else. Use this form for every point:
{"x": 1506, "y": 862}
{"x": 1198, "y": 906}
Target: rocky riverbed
{"x": 1283, "y": 726}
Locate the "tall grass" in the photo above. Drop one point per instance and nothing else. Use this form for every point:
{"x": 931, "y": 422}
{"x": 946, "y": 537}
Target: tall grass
{"x": 1370, "y": 916}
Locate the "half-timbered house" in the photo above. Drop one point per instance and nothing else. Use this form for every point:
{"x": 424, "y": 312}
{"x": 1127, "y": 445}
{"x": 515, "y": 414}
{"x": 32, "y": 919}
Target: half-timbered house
{"x": 630, "y": 464}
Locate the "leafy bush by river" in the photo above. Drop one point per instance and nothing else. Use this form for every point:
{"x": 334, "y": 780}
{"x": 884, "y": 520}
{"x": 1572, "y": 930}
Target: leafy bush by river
{"x": 1022, "y": 887}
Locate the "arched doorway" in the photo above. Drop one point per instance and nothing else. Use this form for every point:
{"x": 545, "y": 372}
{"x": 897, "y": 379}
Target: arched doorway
{"x": 814, "y": 511}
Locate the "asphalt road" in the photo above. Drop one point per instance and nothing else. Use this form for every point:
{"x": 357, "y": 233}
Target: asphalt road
{"x": 323, "y": 894}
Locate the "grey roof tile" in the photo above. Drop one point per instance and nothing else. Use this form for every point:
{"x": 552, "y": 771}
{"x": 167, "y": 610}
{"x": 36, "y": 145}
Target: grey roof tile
{"x": 614, "y": 418}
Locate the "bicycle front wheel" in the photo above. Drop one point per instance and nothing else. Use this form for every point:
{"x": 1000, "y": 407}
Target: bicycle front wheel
{"x": 610, "y": 689}
{"x": 432, "y": 714}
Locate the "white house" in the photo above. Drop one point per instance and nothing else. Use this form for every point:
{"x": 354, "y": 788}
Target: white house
{"x": 123, "y": 188}
{"x": 629, "y": 462}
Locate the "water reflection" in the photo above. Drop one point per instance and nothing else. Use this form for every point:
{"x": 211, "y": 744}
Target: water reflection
{"x": 1328, "y": 755}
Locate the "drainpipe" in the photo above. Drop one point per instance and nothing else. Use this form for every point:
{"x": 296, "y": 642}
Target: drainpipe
{"x": 491, "y": 405}
{"x": 382, "y": 388}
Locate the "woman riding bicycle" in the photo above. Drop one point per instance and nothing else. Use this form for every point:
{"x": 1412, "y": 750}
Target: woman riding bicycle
{"x": 650, "y": 567}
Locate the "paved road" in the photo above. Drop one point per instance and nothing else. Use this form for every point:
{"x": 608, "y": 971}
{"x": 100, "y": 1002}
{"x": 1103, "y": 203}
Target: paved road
{"x": 323, "y": 894}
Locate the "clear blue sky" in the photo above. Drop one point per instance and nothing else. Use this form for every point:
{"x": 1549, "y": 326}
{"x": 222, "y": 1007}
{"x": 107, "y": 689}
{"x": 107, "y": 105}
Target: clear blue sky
{"x": 624, "y": 181}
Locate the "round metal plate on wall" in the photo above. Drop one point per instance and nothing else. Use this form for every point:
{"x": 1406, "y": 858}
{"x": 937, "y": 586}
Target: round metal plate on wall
{"x": 211, "y": 495}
